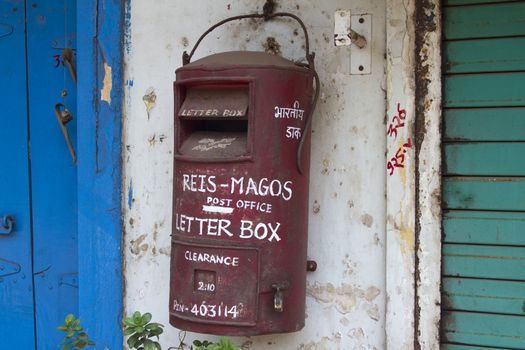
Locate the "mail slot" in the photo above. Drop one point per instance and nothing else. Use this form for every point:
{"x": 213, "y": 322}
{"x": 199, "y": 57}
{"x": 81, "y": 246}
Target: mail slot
{"x": 240, "y": 193}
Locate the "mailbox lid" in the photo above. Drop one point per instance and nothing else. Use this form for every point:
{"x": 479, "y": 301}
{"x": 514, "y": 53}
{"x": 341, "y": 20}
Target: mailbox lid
{"x": 245, "y": 59}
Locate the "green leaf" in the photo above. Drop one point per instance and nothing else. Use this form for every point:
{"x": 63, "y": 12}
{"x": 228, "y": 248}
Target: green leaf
{"x": 156, "y": 332}
{"x": 128, "y": 331}
{"x": 133, "y": 341}
{"x": 197, "y": 343}
{"x": 137, "y": 317}
{"x": 128, "y": 321}
{"x": 149, "y": 345}
{"x": 146, "y": 318}
{"x": 62, "y": 328}
{"x": 154, "y": 325}
{"x": 69, "y": 318}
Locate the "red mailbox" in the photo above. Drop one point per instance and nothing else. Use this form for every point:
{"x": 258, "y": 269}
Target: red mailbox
{"x": 240, "y": 193}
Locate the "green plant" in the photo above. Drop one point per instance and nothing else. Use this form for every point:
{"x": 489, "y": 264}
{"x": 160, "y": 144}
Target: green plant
{"x": 141, "y": 331}
{"x": 75, "y": 337}
{"x": 223, "y": 344}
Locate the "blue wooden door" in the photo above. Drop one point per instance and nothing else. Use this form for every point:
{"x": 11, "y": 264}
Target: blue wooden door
{"x": 16, "y": 286}
{"x": 38, "y": 259}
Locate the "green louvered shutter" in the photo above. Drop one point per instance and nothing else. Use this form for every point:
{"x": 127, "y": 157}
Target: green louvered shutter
{"x": 483, "y": 273}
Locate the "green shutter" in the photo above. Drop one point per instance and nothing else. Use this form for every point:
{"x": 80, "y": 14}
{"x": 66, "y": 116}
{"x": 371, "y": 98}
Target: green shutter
{"x": 483, "y": 254}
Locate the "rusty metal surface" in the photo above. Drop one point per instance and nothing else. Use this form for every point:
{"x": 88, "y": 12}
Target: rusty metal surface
{"x": 252, "y": 59}
{"x": 250, "y": 205}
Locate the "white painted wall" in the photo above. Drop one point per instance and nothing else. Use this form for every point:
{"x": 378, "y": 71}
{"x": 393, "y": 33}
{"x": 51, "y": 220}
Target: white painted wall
{"x": 400, "y": 193}
{"x": 346, "y": 295}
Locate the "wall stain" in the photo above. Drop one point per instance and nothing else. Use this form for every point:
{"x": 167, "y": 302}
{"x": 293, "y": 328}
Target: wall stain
{"x": 153, "y": 140}
{"x": 316, "y": 207}
{"x": 150, "y": 100}
{"x": 136, "y": 245}
{"x": 367, "y": 220}
{"x": 272, "y": 46}
{"x": 165, "y": 251}
{"x": 348, "y": 265}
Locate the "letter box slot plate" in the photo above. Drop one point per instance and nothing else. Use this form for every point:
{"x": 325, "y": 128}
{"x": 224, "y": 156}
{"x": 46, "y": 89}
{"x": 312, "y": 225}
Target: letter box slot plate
{"x": 215, "y": 145}
{"x": 221, "y": 286}
{"x": 215, "y": 103}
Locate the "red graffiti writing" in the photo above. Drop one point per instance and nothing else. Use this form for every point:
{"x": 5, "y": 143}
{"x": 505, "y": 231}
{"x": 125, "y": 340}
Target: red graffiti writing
{"x": 399, "y": 160}
{"x": 58, "y": 60}
{"x": 397, "y": 121}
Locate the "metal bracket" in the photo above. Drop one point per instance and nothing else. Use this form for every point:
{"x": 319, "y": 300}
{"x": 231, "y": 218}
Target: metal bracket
{"x": 7, "y": 222}
{"x": 357, "y": 30}
{"x": 361, "y": 56}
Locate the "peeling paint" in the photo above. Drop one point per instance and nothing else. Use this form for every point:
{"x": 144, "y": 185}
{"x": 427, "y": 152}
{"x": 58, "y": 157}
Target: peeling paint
{"x": 373, "y": 312}
{"x": 326, "y": 343}
{"x": 358, "y": 334}
{"x": 150, "y": 100}
{"x": 345, "y": 298}
{"x": 107, "y": 84}
{"x": 371, "y": 293}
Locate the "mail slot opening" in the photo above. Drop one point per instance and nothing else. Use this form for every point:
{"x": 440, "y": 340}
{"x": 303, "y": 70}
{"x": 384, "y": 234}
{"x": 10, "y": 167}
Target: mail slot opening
{"x": 213, "y": 121}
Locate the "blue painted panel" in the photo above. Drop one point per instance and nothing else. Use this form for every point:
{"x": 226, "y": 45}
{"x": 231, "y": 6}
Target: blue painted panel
{"x": 16, "y": 286}
{"x": 100, "y": 37}
{"x": 51, "y": 26}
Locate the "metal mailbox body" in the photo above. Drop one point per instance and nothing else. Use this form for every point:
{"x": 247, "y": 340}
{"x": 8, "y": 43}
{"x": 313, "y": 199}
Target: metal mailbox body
{"x": 240, "y": 205}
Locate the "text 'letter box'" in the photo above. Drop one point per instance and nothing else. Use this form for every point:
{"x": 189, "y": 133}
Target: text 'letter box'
{"x": 240, "y": 202}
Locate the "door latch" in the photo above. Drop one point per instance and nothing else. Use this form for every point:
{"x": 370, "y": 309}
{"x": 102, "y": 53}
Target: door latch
{"x": 278, "y": 299}
{"x": 7, "y": 222}
{"x": 64, "y": 116}
{"x": 67, "y": 57}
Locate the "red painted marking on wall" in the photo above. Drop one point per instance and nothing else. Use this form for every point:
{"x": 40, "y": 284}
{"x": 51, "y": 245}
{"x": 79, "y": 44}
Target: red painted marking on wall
{"x": 397, "y": 121}
{"x": 398, "y": 161}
